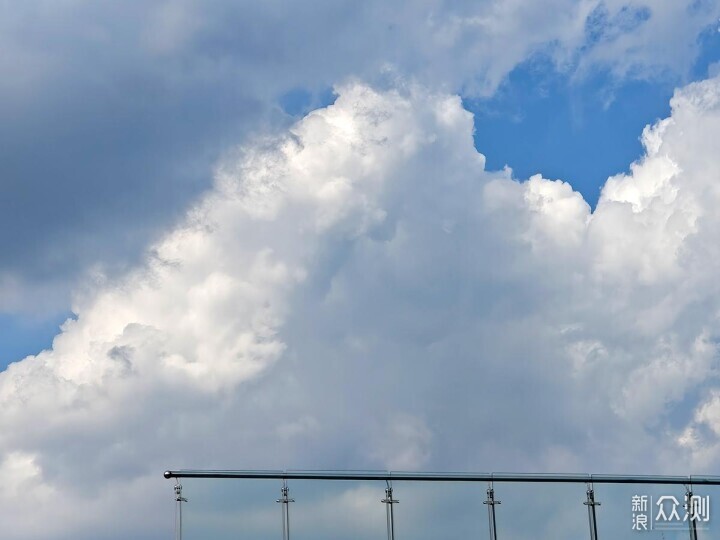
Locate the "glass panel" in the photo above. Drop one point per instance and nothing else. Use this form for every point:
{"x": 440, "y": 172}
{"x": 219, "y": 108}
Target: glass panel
{"x": 531, "y": 511}
{"x": 652, "y": 512}
{"x": 433, "y": 510}
{"x": 336, "y": 509}
{"x": 231, "y": 509}
{"x": 440, "y": 510}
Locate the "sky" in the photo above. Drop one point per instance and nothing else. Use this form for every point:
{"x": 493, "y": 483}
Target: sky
{"x": 388, "y": 235}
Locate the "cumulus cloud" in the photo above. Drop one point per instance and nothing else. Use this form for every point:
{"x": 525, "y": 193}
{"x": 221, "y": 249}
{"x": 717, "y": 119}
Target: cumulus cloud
{"x": 112, "y": 115}
{"x": 361, "y": 292}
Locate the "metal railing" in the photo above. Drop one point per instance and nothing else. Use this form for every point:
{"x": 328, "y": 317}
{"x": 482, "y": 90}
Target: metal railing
{"x": 490, "y": 478}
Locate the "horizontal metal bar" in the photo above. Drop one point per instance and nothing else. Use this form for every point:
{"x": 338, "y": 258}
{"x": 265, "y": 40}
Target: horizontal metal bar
{"x": 449, "y": 477}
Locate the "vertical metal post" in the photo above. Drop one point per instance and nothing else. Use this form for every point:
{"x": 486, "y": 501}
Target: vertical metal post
{"x": 179, "y": 499}
{"x": 691, "y": 508}
{"x": 491, "y": 502}
{"x": 389, "y": 501}
{"x": 592, "y": 518}
{"x": 285, "y": 500}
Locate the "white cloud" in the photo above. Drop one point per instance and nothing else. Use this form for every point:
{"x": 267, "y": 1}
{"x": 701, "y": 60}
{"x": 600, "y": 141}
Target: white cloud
{"x": 362, "y": 293}
{"x": 154, "y": 90}
{"x": 467, "y": 44}
{"x": 635, "y": 38}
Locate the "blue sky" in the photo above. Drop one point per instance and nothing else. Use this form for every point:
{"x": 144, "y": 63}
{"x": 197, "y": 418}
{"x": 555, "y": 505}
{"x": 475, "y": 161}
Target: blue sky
{"x": 581, "y": 131}
{"x": 24, "y": 335}
{"x": 276, "y": 245}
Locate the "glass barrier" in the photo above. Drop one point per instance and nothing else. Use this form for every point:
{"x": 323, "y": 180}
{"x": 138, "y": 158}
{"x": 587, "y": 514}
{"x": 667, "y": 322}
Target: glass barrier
{"x": 224, "y": 510}
{"x": 657, "y": 511}
{"x": 362, "y": 509}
